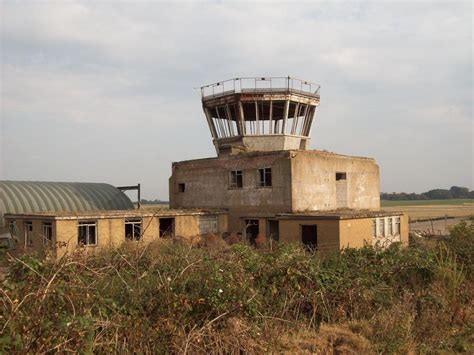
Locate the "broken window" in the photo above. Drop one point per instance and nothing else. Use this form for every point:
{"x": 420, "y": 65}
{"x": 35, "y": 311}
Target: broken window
{"x": 87, "y": 233}
{"x": 133, "y": 229}
{"x": 13, "y": 229}
{"x": 181, "y": 187}
{"x": 374, "y": 227}
{"x": 381, "y": 224}
{"x": 235, "y": 179}
{"x": 396, "y": 226}
{"x": 47, "y": 232}
{"x": 389, "y": 226}
{"x": 28, "y": 233}
{"x": 265, "y": 177}
{"x": 166, "y": 227}
{"x": 340, "y": 176}
{"x": 208, "y": 224}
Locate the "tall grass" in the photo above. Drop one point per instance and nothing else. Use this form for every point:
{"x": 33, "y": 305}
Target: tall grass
{"x": 170, "y": 296}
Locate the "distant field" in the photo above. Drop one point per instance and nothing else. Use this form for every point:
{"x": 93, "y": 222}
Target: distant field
{"x": 427, "y": 209}
{"x": 386, "y": 203}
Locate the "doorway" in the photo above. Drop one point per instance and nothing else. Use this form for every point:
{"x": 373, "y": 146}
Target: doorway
{"x": 251, "y": 230}
{"x": 309, "y": 236}
{"x": 273, "y": 229}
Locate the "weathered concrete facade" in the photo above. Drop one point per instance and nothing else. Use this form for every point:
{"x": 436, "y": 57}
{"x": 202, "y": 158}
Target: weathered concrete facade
{"x": 109, "y": 228}
{"x": 300, "y": 181}
{"x": 268, "y": 180}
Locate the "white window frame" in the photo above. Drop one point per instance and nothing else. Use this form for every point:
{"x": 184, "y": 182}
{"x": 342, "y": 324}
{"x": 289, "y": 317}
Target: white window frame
{"x": 28, "y": 233}
{"x": 47, "y": 226}
{"x": 134, "y": 223}
{"x": 87, "y": 224}
{"x": 396, "y": 225}
{"x": 208, "y": 224}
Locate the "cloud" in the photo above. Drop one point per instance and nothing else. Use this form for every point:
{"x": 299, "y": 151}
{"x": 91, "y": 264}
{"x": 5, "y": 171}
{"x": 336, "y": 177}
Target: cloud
{"x": 113, "y": 83}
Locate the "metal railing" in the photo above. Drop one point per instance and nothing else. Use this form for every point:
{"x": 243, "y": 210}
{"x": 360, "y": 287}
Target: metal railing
{"x": 260, "y": 84}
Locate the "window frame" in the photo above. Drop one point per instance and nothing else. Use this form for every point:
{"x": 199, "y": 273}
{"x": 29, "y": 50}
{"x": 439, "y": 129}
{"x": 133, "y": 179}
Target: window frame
{"x": 235, "y": 174}
{"x": 47, "y": 226}
{"x": 87, "y": 224}
{"x": 134, "y": 222}
{"x": 28, "y": 234}
{"x": 260, "y": 175}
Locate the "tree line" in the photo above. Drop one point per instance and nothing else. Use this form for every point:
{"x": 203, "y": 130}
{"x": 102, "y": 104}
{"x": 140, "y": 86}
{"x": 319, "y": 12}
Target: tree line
{"x": 455, "y": 192}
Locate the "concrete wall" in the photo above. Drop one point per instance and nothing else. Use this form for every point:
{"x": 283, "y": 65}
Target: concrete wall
{"x": 207, "y": 185}
{"x": 355, "y": 233}
{"x": 314, "y": 181}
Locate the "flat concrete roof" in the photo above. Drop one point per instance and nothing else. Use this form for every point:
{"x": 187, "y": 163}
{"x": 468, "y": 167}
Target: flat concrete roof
{"x": 276, "y": 152}
{"x": 335, "y": 214}
{"x": 135, "y": 213}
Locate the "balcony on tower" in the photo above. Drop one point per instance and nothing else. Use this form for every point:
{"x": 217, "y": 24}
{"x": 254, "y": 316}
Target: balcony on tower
{"x": 260, "y": 114}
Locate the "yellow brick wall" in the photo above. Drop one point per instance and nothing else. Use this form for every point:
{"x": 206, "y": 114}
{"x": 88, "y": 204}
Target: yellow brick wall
{"x": 328, "y": 232}
{"x": 355, "y": 233}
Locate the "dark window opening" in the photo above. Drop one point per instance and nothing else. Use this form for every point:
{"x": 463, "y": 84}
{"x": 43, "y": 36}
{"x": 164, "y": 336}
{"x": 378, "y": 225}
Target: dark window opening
{"x": 273, "y": 230}
{"x": 251, "y": 230}
{"x": 235, "y": 179}
{"x": 166, "y": 227}
{"x": 181, "y": 187}
{"x": 265, "y": 177}
{"x": 87, "y": 233}
{"x": 340, "y": 176}
{"x": 309, "y": 237}
{"x": 133, "y": 229}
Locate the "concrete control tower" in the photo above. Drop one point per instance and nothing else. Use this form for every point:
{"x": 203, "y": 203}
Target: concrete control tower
{"x": 260, "y": 114}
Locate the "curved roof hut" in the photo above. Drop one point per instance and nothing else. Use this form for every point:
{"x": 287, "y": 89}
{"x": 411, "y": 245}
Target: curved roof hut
{"x": 40, "y": 196}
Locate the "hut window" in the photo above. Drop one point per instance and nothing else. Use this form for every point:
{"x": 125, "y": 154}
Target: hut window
{"x": 28, "y": 233}
{"x": 208, "y": 224}
{"x": 133, "y": 229}
{"x": 47, "y": 232}
{"x": 87, "y": 233}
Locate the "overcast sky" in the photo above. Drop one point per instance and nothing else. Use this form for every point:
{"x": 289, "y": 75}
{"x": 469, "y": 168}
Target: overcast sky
{"x": 104, "y": 91}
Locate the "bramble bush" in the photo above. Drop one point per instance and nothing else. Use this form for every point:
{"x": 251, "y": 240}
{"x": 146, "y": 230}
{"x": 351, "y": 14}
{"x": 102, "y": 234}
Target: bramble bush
{"x": 169, "y": 296}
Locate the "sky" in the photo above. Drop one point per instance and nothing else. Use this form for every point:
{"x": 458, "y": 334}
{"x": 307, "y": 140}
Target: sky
{"x": 105, "y": 91}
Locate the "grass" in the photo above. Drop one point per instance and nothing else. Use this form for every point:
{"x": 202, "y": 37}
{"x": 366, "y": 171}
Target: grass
{"x": 386, "y": 203}
{"x": 173, "y": 297}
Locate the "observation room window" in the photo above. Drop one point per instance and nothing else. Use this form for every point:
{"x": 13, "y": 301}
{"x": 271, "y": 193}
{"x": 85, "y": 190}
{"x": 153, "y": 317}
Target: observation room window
{"x": 235, "y": 179}
{"x": 265, "y": 177}
{"x": 341, "y": 176}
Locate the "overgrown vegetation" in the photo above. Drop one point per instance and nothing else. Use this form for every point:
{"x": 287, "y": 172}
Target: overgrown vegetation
{"x": 173, "y": 297}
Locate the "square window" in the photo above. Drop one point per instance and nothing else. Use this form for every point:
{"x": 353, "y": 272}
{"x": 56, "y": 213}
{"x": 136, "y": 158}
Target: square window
{"x": 265, "y": 177}
{"x": 133, "y": 229}
{"x": 87, "y": 233}
{"x": 235, "y": 179}
{"x": 341, "y": 176}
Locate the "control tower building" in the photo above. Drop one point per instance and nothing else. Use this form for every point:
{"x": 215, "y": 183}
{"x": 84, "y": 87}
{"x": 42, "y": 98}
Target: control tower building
{"x": 269, "y": 180}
